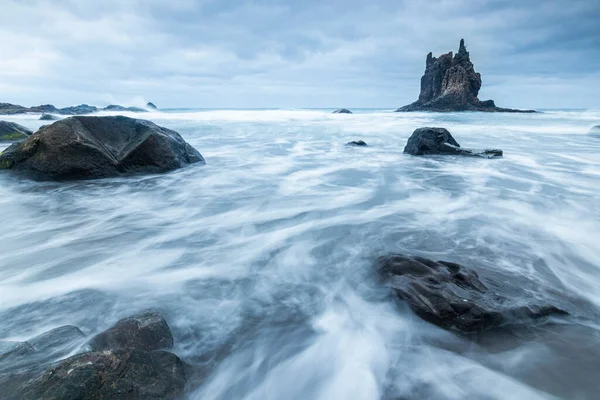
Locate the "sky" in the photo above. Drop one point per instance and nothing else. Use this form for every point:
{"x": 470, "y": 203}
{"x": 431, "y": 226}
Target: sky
{"x": 293, "y": 53}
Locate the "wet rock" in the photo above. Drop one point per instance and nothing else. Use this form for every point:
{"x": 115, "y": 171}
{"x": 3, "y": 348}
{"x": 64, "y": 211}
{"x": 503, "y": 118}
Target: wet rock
{"x": 426, "y": 141}
{"x": 450, "y": 83}
{"x": 57, "y": 339}
{"x": 49, "y": 117}
{"x": 596, "y": 129}
{"x": 11, "y": 350}
{"x": 10, "y": 132}
{"x": 111, "y": 374}
{"x": 144, "y": 331}
{"x": 114, "y": 107}
{"x": 94, "y": 147}
{"x": 342, "y": 111}
{"x": 150, "y": 105}
{"x": 356, "y": 143}
{"x": 78, "y": 110}
{"x": 454, "y": 297}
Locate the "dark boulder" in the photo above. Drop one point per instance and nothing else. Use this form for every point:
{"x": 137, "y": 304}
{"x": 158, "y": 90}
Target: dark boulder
{"x": 10, "y": 132}
{"x": 425, "y": 141}
{"x": 111, "y": 374}
{"x": 450, "y": 83}
{"x": 356, "y": 143}
{"x": 66, "y": 336}
{"x": 454, "y": 297}
{"x": 92, "y": 147}
{"x": 144, "y": 331}
{"x": 150, "y": 105}
{"x": 49, "y": 117}
{"x": 114, "y": 107}
{"x": 342, "y": 111}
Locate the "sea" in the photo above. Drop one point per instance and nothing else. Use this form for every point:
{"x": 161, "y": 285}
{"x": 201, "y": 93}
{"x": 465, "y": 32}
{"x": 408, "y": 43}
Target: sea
{"x": 262, "y": 260}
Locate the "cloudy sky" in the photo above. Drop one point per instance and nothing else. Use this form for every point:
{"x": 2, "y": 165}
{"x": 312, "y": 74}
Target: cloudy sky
{"x": 288, "y": 53}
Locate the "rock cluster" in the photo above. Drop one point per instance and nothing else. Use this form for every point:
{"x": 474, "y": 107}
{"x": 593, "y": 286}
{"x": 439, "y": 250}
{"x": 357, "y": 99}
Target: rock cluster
{"x": 128, "y": 361}
{"x": 450, "y": 83}
{"x": 455, "y": 297}
{"x": 10, "y": 132}
{"x": 425, "y": 141}
{"x": 95, "y": 147}
{"x": 82, "y": 109}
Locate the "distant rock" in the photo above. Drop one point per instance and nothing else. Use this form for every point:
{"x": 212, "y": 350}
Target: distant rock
{"x": 150, "y": 105}
{"x": 10, "y": 132}
{"x": 46, "y": 108}
{"x": 342, "y": 111}
{"x": 455, "y": 298}
{"x": 78, "y": 110}
{"x": 93, "y": 147}
{"x": 114, "y": 107}
{"x": 145, "y": 331}
{"x": 49, "y": 117}
{"x": 11, "y": 109}
{"x": 426, "y": 141}
{"x": 450, "y": 83}
{"x": 596, "y": 128}
{"x": 356, "y": 143}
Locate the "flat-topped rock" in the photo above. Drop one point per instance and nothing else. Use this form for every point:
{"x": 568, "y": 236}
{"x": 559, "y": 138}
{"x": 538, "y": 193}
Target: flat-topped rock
{"x": 450, "y": 83}
{"x": 94, "y": 147}
{"x": 11, "y": 131}
{"x": 428, "y": 141}
{"x": 359, "y": 143}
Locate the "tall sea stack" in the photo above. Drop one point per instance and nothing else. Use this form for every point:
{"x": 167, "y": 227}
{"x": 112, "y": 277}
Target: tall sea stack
{"x": 450, "y": 83}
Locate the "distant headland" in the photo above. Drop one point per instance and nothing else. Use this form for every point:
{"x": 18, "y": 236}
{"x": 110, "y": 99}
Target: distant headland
{"x": 450, "y": 83}
{"x": 14, "y": 109}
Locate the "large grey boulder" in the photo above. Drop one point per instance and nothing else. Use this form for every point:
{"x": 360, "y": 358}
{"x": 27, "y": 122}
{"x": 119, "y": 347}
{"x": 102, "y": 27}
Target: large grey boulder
{"x": 94, "y": 147}
{"x": 426, "y": 141}
{"x": 455, "y": 297}
{"x": 11, "y": 131}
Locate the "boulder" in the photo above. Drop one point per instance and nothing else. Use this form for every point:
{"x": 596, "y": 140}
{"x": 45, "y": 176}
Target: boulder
{"x": 49, "y": 117}
{"x": 126, "y": 374}
{"x": 93, "y": 147}
{"x": 450, "y": 83}
{"x": 455, "y": 297}
{"x": 10, "y": 132}
{"x": 356, "y": 143}
{"x": 426, "y": 141}
{"x": 342, "y": 111}
{"x": 144, "y": 331}
{"x": 114, "y": 107}
{"x": 150, "y": 105}
{"x": 78, "y": 110}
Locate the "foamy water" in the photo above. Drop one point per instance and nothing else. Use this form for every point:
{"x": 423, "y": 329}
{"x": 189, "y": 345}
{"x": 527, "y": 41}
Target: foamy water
{"x": 261, "y": 259}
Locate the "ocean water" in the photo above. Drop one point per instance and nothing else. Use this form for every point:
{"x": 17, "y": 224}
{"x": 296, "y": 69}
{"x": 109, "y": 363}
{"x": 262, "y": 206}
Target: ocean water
{"x": 261, "y": 260}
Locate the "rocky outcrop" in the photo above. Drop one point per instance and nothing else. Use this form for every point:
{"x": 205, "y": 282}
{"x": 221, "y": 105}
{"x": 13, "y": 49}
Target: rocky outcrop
{"x": 455, "y": 297}
{"x": 78, "y": 110}
{"x": 94, "y": 147}
{"x": 359, "y": 143}
{"x": 342, "y": 111}
{"x": 450, "y": 83}
{"x": 49, "y": 117}
{"x": 115, "y": 107}
{"x": 426, "y": 141}
{"x": 12, "y": 109}
{"x": 116, "y": 367}
{"x": 150, "y": 106}
{"x": 10, "y": 132}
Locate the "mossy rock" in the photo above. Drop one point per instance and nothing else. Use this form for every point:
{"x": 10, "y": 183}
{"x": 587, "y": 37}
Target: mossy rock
{"x": 10, "y": 132}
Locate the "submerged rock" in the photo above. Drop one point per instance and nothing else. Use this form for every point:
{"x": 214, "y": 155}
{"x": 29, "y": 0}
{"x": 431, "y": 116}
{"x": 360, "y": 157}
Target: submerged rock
{"x": 10, "y": 132}
{"x": 454, "y": 297}
{"x": 78, "y": 110}
{"x": 150, "y": 105}
{"x": 144, "y": 331}
{"x": 450, "y": 83}
{"x": 356, "y": 143}
{"x": 94, "y": 147}
{"x": 425, "y": 141}
{"x": 342, "y": 111}
{"x": 49, "y": 117}
{"x": 111, "y": 374}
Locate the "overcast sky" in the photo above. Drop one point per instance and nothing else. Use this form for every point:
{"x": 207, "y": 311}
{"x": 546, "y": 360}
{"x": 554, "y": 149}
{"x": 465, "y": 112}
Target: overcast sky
{"x": 293, "y": 53}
